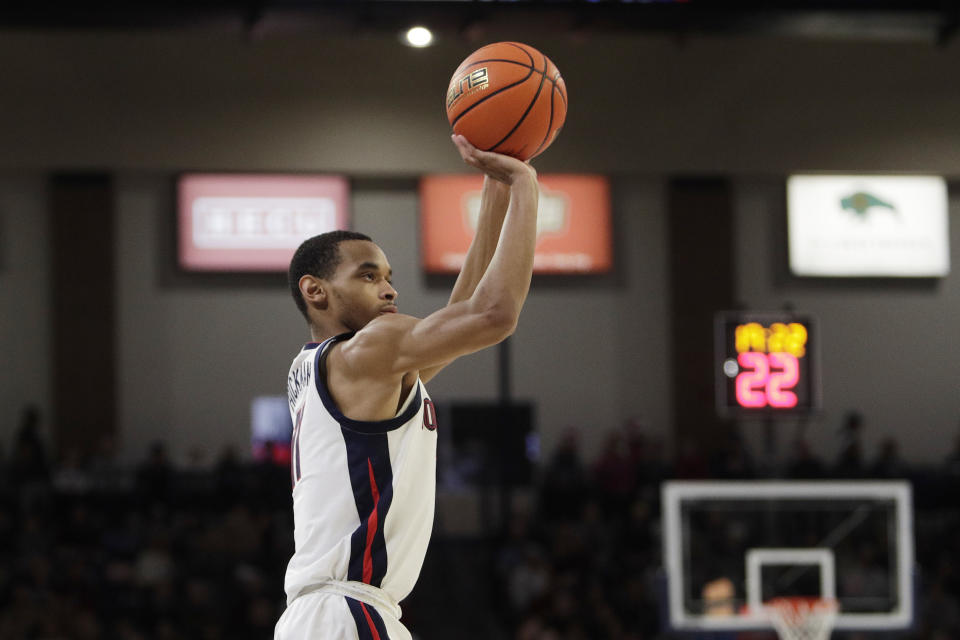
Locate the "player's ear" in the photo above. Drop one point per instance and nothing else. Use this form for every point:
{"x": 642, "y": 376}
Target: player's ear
{"x": 314, "y": 291}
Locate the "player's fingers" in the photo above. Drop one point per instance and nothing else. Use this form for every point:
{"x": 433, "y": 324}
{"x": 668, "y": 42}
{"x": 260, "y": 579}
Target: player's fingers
{"x": 474, "y": 156}
{"x": 479, "y": 160}
{"x": 494, "y": 165}
{"x": 467, "y": 150}
{"x": 461, "y": 142}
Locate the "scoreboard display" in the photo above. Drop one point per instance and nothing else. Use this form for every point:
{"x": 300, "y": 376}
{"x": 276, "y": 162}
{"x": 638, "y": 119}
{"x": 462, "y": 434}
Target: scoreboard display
{"x": 766, "y": 364}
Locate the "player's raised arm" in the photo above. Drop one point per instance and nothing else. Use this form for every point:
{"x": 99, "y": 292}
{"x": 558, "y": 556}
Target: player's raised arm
{"x": 398, "y": 344}
{"x": 494, "y": 199}
{"x": 506, "y": 281}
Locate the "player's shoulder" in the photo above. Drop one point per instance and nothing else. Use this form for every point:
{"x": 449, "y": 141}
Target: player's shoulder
{"x": 377, "y": 342}
{"x": 382, "y": 331}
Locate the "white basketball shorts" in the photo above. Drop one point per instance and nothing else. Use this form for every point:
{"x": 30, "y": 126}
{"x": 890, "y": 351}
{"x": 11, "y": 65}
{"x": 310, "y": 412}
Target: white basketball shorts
{"x": 331, "y": 616}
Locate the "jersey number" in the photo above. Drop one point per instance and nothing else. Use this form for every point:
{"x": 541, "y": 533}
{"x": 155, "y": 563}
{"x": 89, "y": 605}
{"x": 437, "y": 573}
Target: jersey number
{"x": 429, "y": 415}
{"x": 295, "y": 448}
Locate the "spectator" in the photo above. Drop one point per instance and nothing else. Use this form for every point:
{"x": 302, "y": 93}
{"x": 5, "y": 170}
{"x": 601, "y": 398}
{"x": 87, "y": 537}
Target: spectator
{"x": 154, "y": 564}
{"x": 850, "y": 461}
{"x": 229, "y": 475}
{"x": 734, "y": 460}
{"x": 691, "y": 463}
{"x": 635, "y": 434}
{"x": 72, "y": 475}
{"x": 803, "y": 464}
{"x": 939, "y": 614}
{"x": 615, "y": 474}
{"x": 888, "y": 463}
{"x": 564, "y": 481}
{"x": 528, "y": 581}
{"x": 105, "y": 471}
{"x": 514, "y": 549}
{"x": 153, "y": 476}
{"x": 28, "y": 462}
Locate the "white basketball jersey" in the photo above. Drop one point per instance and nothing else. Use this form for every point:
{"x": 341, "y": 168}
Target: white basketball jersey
{"x": 363, "y": 492}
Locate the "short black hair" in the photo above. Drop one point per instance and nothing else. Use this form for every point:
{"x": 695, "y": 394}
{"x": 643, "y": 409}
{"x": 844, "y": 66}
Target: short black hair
{"x": 317, "y": 256}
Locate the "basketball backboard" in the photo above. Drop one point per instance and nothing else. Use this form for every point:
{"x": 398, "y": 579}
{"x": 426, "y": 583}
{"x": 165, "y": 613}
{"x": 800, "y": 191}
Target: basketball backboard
{"x": 731, "y": 546}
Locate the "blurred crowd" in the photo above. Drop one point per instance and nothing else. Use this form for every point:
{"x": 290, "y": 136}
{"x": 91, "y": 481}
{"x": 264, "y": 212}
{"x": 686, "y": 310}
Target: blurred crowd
{"x": 586, "y": 562}
{"x": 91, "y": 549}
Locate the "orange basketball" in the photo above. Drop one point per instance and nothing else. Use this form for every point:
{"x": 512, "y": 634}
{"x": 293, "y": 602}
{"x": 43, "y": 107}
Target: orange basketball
{"x": 509, "y": 98}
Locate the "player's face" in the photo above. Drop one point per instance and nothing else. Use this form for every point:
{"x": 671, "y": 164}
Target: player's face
{"x": 361, "y": 287}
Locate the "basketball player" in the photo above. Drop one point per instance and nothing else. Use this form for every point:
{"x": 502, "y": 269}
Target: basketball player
{"x": 364, "y": 438}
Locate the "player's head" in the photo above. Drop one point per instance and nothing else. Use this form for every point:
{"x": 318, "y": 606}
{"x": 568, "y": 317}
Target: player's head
{"x": 341, "y": 278}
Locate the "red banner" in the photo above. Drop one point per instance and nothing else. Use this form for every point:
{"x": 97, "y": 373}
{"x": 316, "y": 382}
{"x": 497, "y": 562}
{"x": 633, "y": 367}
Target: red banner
{"x": 573, "y": 224}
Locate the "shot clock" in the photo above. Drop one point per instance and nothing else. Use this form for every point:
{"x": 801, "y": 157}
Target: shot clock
{"x": 766, "y": 364}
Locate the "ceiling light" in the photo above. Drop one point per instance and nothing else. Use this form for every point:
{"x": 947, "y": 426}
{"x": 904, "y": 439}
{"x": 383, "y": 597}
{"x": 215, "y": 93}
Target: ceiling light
{"x": 419, "y": 37}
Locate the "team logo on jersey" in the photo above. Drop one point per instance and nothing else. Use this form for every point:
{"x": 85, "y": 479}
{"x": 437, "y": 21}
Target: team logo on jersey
{"x": 429, "y": 415}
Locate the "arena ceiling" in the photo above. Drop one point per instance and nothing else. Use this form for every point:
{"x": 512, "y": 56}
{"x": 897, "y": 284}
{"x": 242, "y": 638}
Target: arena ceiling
{"x": 935, "y": 21}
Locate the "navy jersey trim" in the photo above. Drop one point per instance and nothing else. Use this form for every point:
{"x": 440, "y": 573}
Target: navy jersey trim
{"x": 310, "y": 345}
{"x": 369, "y": 427}
{"x": 369, "y": 623}
{"x": 371, "y": 478}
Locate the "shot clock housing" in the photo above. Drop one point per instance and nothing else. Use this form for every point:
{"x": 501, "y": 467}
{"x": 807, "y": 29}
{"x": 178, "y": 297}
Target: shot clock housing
{"x": 766, "y": 364}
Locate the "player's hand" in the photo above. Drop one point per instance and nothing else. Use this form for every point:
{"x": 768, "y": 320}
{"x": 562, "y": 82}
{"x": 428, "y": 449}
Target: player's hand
{"x": 500, "y": 167}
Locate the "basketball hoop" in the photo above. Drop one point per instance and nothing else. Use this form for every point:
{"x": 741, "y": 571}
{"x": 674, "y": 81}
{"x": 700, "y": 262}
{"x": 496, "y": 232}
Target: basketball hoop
{"x": 802, "y": 618}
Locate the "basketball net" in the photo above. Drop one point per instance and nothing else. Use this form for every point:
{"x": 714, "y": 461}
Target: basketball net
{"x": 802, "y": 618}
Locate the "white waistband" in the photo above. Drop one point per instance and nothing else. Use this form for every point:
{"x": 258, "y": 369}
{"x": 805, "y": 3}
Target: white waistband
{"x": 365, "y": 593}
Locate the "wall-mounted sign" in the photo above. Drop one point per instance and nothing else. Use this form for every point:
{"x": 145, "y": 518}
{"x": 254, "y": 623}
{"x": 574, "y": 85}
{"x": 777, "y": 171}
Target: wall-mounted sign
{"x": 574, "y": 233}
{"x": 254, "y": 222}
{"x": 868, "y": 226}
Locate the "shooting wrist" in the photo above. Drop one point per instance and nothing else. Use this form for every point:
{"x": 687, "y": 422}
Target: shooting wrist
{"x": 524, "y": 179}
